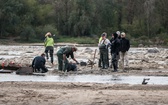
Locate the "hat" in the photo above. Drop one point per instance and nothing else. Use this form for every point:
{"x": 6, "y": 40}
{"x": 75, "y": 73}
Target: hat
{"x": 48, "y": 34}
{"x": 118, "y": 32}
{"x": 104, "y": 34}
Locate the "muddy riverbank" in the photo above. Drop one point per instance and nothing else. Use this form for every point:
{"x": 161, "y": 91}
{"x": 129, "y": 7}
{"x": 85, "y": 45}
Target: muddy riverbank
{"x": 43, "y": 93}
{"x": 87, "y": 86}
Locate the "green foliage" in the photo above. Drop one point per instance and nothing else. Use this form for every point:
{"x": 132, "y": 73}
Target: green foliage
{"x": 79, "y": 40}
{"x": 142, "y": 20}
{"x": 27, "y": 33}
{"x": 42, "y": 30}
{"x": 163, "y": 37}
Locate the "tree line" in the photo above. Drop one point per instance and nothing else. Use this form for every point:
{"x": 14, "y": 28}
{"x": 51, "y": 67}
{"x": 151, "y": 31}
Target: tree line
{"x": 140, "y": 19}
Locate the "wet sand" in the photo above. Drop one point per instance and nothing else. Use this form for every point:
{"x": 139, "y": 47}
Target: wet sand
{"x": 43, "y": 93}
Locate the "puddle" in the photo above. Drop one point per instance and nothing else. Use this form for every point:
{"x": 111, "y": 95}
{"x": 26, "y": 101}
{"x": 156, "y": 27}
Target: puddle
{"x": 112, "y": 79}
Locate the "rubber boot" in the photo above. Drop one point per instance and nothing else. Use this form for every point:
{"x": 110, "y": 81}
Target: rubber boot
{"x": 115, "y": 67}
{"x": 99, "y": 64}
{"x": 103, "y": 65}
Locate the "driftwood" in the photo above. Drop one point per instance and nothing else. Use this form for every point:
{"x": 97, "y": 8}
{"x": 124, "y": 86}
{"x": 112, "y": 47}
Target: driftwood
{"x": 9, "y": 67}
{"x": 144, "y": 81}
{"x": 92, "y": 62}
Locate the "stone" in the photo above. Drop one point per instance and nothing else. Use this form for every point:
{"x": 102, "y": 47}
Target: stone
{"x": 154, "y": 50}
{"x": 140, "y": 45}
{"x": 83, "y": 63}
{"x": 88, "y": 50}
{"x": 25, "y": 71}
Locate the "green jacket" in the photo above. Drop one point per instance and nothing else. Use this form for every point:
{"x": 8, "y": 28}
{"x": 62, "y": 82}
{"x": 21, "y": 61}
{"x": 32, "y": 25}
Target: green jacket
{"x": 49, "y": 41}
{"x": 67, "y": 51}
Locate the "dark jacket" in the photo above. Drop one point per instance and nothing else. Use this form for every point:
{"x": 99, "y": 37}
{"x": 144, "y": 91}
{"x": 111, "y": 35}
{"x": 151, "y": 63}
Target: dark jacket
{"x": 67, "y": 51}
{"x": 115, "y": 44}
{"x": 124, "y": 45}
{"x": 38, "y": 62}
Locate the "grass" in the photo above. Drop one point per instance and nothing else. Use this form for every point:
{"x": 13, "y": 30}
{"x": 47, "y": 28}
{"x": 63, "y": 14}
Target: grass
{"x": 79, "y": 40}
{"x": 67, "y": 39}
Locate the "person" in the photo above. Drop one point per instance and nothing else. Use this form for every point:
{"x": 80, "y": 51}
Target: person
{"x": 99, "y": 63}
{"x": 49, "y": 46}
{"x": 71, "y": 67}
{"x": 115, "y": 48}
{"x": 119, "y": 34}
{"x": 103, "y": 48}
{"x": 38, "y": 63}
{"x": 124, "y": 47}
{"x": 64, "y": 53}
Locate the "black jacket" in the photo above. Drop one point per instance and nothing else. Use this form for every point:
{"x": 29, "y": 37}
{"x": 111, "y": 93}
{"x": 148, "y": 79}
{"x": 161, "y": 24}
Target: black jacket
{"x": 38, "y": 62}
{"x": 124, "y": 45}
{"x": 115, "y": 44}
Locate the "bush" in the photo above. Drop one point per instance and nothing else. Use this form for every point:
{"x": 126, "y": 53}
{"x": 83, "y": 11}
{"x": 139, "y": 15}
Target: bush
{"x": 27, "y": 33}
{"x": 79, "y": 40}
{"x": 42, "y": 30}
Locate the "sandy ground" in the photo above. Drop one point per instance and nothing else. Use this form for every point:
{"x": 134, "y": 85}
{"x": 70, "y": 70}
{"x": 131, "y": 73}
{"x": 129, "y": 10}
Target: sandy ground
{"x": 36, "y": 93}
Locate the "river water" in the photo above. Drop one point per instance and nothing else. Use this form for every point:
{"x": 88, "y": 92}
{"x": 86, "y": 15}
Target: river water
{"x": 111, "y": 79}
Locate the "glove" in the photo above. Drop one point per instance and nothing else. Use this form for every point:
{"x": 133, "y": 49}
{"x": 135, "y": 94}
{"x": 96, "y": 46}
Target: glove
{"x": 77, "y": 62}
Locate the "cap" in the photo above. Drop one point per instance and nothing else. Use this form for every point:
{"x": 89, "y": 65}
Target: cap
{"x": 48, "y": 34}
{"x": 104, "y": 34}
{"x": 118, "y": 32}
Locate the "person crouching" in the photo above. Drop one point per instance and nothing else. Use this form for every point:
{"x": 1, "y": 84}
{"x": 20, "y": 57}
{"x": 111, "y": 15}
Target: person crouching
{"x": 38, "y": 64}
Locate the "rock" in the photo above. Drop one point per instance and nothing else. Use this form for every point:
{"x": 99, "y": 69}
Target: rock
{"x": 5, "y": 53}
{"x": 166, "y": 61}
{"x": 161, "y": 67}
{"x": 145, "y": 60}
{"x": 25, "y": 71}
{"x": 140, "y": 45}
{"x": 155, "y": 50}
{"x": 83, "y": 63}
{"x": 2, "y": 58}
{"x": 88, "y": 50}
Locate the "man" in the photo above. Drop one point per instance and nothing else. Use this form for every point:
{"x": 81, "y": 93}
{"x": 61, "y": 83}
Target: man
{"x": 63, "y": 54}
{"x": 124, "y": 47}
{"x": 71, "y": 67}
{"x": 115, "y": 48}
{"x": 39, "y": 63}
{"x": 49, "y": 46}
{"x": 119, "y": 35}
{"x": 103, "y": 47}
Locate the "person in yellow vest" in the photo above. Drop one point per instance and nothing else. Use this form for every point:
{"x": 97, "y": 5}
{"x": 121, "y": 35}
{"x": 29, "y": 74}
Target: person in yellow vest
{"x": 100, "y": 39}
{"x": 103, "y": 48}
{"x": 49, "y": 46}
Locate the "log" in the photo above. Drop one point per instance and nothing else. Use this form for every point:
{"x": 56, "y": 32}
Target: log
{"x": 9, "y": 67}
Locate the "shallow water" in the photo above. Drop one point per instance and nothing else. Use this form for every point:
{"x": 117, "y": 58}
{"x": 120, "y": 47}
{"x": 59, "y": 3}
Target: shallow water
{"x": 112, "y": 79}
